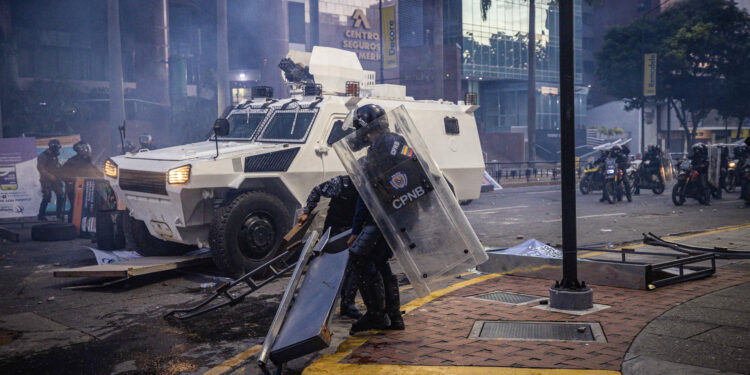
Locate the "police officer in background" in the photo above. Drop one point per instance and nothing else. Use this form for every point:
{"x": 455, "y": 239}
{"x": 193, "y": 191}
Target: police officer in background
{"x": 699, "y": 162}
{"x": 49, "y": 167}
{"x": 367, "y": 246}
{"x": 343, "y": 196}
{"x": 79, "y": 166}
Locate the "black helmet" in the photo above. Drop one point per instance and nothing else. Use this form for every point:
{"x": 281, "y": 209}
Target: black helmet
{"x": 747, "y": 141}
{"x": 145, "y": 141}
{"x": 82, "y": 148}
{"x": 54, "y": 146}
{"x": 371, "y": 117}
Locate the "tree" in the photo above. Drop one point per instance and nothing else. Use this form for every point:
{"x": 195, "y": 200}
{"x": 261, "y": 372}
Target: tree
{"x": 733, "y": 101}
{"x": 694, "y": 40}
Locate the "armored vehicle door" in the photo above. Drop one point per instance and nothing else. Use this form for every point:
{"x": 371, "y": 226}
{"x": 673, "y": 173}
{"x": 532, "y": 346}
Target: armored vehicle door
{"x": 411, "y": 202}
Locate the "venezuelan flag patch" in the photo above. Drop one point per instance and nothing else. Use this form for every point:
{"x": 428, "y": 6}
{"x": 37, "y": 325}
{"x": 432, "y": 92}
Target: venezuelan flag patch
{"x": 406, "y": 151}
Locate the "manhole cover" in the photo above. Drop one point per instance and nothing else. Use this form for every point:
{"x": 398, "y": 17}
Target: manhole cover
{"x": 543, "y": 331}
{"x": 506, "y": 297}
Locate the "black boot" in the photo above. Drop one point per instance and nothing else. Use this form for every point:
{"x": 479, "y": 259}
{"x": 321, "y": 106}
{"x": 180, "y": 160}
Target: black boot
{"x": 348, "y": 293}
{"x": 60, "y": 209}
{"x": 373, "y": 293}
{"x": 42, "y": 215}
{"x": 393, "y": 303}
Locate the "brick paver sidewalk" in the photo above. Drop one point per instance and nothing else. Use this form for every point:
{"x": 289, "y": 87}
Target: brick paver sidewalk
{"x": 437, "y": 331}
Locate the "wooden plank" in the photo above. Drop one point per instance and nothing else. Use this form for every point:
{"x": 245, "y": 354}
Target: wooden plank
{"x": 134, "y": 267}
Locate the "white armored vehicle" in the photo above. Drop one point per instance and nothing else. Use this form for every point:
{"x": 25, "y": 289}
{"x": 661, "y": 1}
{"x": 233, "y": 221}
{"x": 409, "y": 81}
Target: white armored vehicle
{"x": 238, "y": 192}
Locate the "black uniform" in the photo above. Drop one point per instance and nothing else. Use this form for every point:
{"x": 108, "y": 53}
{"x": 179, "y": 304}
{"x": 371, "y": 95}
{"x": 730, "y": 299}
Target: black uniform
{"x": 699, "y": 162}
{"x": 341, "y": 209}
{"x": 370, "y": 252}
{"x": 50, "y": 178}
{"x": 343, "y": 196}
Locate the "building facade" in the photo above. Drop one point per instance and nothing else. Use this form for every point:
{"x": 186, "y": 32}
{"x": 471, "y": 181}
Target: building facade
{"x": 494, "y": 64}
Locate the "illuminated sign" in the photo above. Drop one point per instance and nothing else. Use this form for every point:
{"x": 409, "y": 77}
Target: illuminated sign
{"x": 357, "y": 39}
{"x": 360, "y": 19}
{"x": 390, "y": 35}
{"x": 649, "y": 74}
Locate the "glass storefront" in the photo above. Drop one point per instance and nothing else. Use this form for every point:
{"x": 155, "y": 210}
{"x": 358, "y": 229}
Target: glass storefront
{"x": 496, "y": 48}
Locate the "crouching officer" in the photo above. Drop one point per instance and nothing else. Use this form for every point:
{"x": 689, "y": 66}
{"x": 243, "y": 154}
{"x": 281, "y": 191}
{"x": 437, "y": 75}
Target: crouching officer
{"x": 343, "y": 196}
{"x": 49, "y": 167}
{"x": 367, "y": 246}
{"x": 79, "y": 166}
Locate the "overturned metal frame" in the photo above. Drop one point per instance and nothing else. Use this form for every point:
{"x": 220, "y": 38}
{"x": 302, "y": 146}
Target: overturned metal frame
{"x": 618, "y": 273}
{"x": 224, "y": 291}
{"x": 719, "y": 252}
{"x": 286, "y": 299}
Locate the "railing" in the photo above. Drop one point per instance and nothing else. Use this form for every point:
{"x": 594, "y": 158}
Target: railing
{"x": 526, "y": 171}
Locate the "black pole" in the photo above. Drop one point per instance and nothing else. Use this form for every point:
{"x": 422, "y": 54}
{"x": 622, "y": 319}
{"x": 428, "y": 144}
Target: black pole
{"x": 567, "y": 147}
{"x": 531, "y": 100}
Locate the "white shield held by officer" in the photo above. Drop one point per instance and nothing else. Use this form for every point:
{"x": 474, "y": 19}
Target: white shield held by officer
{"x": 667, "y": 169}
{"x": 409, "y": 199}
{"x": 714, "y": 168}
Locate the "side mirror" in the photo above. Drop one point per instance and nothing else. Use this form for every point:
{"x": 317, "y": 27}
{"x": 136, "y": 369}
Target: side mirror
{"x": 221, "y": 127}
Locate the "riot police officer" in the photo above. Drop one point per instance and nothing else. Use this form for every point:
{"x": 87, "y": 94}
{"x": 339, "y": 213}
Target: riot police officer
{"x": 368, "y": 248}
{"x": 341, "y": 208}
{"x": 699, "y": 162}
{"x": 79, "y": 166}
{"x": 49, "y": 167}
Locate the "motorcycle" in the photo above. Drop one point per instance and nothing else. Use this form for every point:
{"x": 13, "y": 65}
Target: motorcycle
{"x": 733, "y": 180}
{"x": 592, "y": 179}
{"x": 744, "y": 177}
{"x": 688, "y": 186}
{"x": 614, "y": 188}
{"x": 647, "y": 177}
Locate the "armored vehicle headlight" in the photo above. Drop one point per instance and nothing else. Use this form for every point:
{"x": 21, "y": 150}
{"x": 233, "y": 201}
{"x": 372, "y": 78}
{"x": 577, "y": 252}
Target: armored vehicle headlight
{"x": 110, "y": 168}
{"x": 179, "y": 175}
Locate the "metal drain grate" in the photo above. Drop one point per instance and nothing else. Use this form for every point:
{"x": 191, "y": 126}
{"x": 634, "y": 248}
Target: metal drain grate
{"x": 506, "y": 297}
{"x": 542, "y": 331}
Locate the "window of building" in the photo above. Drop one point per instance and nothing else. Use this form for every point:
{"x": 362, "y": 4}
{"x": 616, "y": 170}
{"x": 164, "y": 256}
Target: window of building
{"x": 588, "y": 67}
{"x": 296, "y": 22}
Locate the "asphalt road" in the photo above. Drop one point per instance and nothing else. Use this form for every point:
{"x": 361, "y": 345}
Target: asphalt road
{"x": 45, "y": 329}
{"x": 500, "y": 217}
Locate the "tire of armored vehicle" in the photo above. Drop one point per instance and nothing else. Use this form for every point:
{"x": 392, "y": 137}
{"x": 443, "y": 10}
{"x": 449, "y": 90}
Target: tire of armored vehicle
{"x": 247, "y": 230}
{"x": 148, "y": 245}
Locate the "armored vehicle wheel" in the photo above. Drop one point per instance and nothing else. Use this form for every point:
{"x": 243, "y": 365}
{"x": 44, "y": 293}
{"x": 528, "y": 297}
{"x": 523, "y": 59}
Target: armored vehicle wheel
{"x": 148, "y": 245}
{"x": 245, "y": 233}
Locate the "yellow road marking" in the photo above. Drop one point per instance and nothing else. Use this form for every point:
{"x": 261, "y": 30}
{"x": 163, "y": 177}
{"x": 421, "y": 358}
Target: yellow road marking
{"x": 230, "y": 363}
{"x": 329, "y": 363}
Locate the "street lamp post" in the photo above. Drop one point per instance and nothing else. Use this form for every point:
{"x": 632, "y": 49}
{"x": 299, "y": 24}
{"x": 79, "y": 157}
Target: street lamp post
{"x": 568, "y": 293}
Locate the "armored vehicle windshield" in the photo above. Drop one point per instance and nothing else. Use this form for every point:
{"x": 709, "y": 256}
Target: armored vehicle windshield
{"x": 288, "y": 126}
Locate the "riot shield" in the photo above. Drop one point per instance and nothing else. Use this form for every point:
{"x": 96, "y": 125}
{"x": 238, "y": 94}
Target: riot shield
{"x": 667, "y": 169}
{"x": 410, "y": 201}
{"x": 714, "y": 165}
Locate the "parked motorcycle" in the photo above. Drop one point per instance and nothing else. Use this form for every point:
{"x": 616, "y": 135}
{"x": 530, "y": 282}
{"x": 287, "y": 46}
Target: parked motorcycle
{"x": 592, "y": 180}
{"x": 732, "y": 181}
{"x": 744, "y": 176}
{"x": 648, "y": 177}
{"x": 688, "y": 186}
{"x": 614, "y": 188}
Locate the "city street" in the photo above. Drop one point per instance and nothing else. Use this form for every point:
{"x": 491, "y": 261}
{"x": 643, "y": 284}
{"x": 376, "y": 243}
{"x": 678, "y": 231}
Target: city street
{"x": 119, "y": 329}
